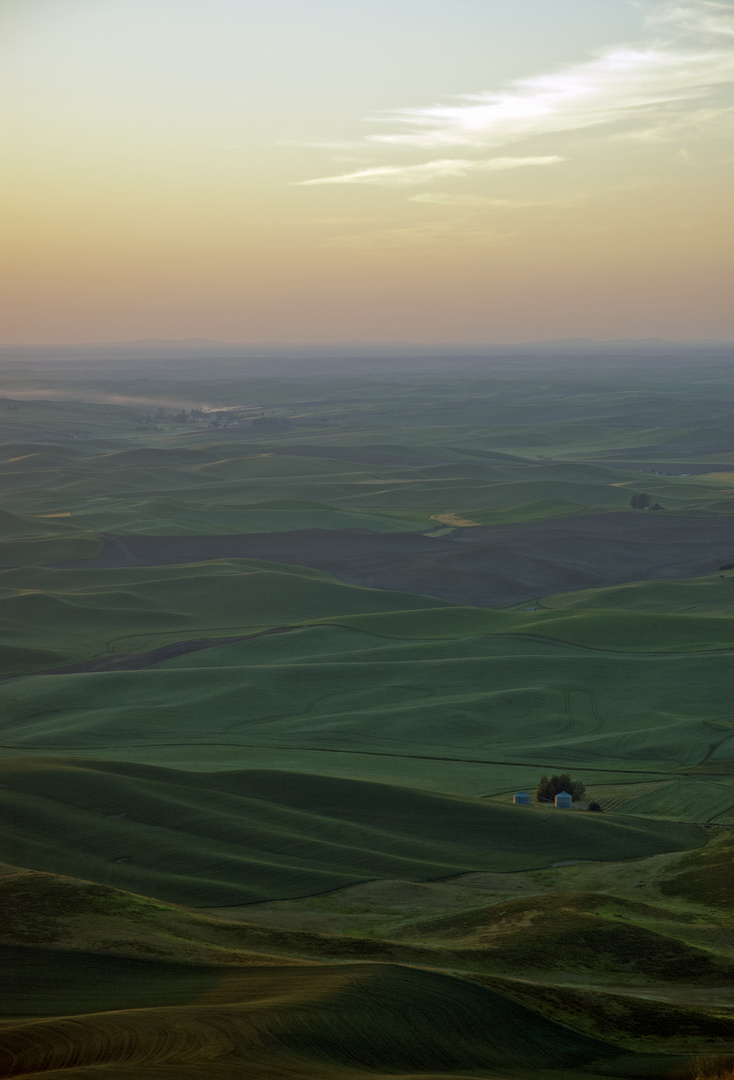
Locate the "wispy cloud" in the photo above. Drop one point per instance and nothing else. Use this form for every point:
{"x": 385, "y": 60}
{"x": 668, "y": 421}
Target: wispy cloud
{"x": 429, "y": 171}
{"x": 681, "y": 125}
{"x": 704, "y": 18}
{"x": 621, "y": 84}
{"x": 645, "y": 91}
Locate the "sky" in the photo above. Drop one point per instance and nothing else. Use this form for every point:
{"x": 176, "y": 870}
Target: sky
{"x": 366, "y": 170}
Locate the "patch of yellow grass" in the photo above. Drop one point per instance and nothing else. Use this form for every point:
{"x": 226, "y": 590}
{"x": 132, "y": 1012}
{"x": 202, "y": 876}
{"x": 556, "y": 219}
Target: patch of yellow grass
{"x": 452, "y": 519}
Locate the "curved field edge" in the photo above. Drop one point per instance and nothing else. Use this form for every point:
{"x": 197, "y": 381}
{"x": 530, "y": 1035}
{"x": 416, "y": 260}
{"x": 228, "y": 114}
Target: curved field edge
{"x": 231, "y": 838}
{"x": 50, "y": 618}
{"x": 335, "y": 1020}
{"x": 210, "y": 992}
{"x": 660, "y": 920}
{"x": 224, "y": 978}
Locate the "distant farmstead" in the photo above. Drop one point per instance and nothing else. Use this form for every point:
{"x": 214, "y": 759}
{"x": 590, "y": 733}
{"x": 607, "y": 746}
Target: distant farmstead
{"x": 521, "y": 798}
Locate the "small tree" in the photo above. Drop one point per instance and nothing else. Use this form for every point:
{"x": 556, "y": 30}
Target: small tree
{"x": 544, "y": 792}
{"x": 577, "y": 789}
{"x": 641, "y": 500}
{"x": 548, "y": 789}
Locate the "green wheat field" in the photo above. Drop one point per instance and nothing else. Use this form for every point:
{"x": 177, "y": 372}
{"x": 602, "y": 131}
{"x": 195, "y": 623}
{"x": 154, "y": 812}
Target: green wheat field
{"x": 272, "y": 671}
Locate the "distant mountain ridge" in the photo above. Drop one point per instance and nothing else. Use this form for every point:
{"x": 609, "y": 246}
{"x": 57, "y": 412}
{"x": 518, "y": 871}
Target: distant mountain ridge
{"x": 417, "y": 348}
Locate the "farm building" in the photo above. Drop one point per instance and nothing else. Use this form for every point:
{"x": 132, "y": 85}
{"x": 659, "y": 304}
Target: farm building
{"x": 521, "y": 798}
{"x": 563, "y": 800}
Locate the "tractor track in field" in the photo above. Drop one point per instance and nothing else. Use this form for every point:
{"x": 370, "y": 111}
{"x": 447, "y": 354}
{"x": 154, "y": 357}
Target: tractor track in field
{"x": 595, "y": 709}
{"x": 568, "y": 709}
{"x": 711, "y": 751}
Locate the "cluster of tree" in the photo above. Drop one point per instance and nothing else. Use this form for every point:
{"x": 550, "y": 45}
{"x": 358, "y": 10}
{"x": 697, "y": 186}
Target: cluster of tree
{"x": 642, "y": 501}
{"x": 195, "y": 414}
{"x": 181, "y": 417}
{"x": 548, "y": 788}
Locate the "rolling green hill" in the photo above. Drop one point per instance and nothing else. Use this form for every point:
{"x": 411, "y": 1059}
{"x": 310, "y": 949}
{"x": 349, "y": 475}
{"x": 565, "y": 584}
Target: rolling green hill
{"x": 35, "y": 539}
{"x": 548, "y": 934}
{"x": 233, "y": 838}
{"x": 171, "y": 479}
{"x": 87, "y": 613}
{"x": 479, "y": 714}
{"x": 322, "y": 766}
{"x": 711, "y": 595}
{"x": 604, "y": 938}
{"x": 114, "y": 951}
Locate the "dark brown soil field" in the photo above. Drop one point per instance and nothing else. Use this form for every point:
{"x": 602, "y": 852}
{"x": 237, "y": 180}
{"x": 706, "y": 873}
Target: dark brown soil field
{"x": 492, "y": 566}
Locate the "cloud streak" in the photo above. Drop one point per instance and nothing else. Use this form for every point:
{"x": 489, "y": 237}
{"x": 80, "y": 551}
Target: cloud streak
{"x": 618, "y": 85}
{"x": 645, "y": 91}
{"x": 704, "y": 18}
{"x": 428, "y": 171}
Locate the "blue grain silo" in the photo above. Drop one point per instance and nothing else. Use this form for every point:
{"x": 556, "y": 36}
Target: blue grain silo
{"x": 521, "y": 798}
{"x": 564, "y": 801}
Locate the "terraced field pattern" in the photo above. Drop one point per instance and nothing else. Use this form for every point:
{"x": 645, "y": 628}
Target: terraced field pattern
{"x": 278, "y": 648}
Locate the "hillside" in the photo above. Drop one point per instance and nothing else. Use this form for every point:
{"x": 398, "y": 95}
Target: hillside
{"x": 273, "y": 663}
{"x": 232, "y": 838}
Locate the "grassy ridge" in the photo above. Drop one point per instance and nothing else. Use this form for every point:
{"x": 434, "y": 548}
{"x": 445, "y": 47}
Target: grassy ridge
{"x": 115, "y": 950}
{"x": 603, "y": 937}
{"x": 600, "y": 938}
{"x": 233, "y": 838}
{"x": 708, "y": 879}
